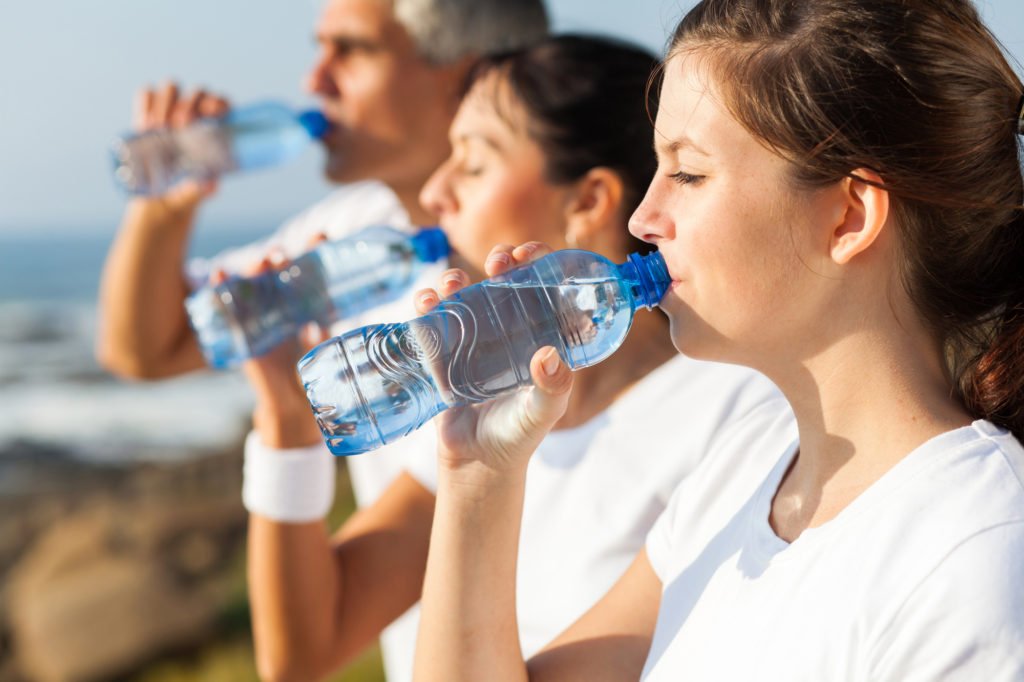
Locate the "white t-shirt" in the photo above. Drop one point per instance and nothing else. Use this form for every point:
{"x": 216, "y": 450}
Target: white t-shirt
{"x": 919, "y": 578}
{"x": 593, "y": 492}
{"x": 346, "y": 210}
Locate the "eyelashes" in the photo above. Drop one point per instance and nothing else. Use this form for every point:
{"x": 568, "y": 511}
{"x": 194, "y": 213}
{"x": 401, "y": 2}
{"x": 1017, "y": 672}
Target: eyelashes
{"x": 682, "y": 178}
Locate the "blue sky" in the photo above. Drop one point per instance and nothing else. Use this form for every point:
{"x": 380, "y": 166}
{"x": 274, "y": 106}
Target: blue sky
{"x": 68, "y": 70}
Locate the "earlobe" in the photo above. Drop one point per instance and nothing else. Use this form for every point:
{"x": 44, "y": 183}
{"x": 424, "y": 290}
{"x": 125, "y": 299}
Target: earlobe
{"x": 863, "y": 219}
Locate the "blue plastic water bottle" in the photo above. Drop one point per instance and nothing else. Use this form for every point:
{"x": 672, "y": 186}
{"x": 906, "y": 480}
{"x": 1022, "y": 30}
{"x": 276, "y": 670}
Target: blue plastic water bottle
{"x": 265, "y": 134}
{"x": 376, "y": 384}
{"x": 245, "y": 317}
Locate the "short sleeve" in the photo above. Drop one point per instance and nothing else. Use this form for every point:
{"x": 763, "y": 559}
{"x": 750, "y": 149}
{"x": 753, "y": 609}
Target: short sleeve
{"x": 662, "y": 535}
{"x": 965, "y": 620}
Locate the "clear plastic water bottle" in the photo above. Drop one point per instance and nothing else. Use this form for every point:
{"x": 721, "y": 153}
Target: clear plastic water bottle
{"x": 265, "y": 134}
{"x": 245, "y": 317}
{"x": 376, "y": 384}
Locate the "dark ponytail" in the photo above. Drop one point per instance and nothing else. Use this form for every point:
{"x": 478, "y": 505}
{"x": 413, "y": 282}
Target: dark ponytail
{"x": 920, "y": 92}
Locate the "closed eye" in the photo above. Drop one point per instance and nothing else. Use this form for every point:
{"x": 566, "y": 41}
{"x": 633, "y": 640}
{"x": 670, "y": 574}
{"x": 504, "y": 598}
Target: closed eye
{"x": 686, "y": 178}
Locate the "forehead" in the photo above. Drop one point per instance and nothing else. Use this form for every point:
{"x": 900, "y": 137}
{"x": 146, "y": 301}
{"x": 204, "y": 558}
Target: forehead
{"x": 692, "y": 114}
{"x": 370, "y": 18}
{"x": 491, "y": 106}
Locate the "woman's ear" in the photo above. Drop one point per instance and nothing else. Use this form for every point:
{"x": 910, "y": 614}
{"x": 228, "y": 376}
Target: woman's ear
{"x": 863, "y": 218}
{"x": 594, "y": 203}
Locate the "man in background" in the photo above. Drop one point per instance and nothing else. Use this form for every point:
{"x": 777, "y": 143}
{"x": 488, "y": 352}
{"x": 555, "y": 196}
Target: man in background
{"x": 389, "y": 76}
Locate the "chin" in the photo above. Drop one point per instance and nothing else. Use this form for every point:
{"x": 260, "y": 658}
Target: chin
{"x": 338, "y": 171}
{"x": 694, "y": 337}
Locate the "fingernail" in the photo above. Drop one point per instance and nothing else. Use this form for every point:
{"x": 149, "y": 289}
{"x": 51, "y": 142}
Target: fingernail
{"x": 501, "y": 258}
{"x": 427, "y": 298}
{"x": 550, "y": 363}
{"x": 452, "y": 279}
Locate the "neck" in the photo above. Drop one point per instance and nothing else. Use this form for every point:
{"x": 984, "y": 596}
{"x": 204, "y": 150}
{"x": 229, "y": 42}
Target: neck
{"x": 408, "y": 197}
{"x": 647, "y": 347}
{"x": 862, "y": 404}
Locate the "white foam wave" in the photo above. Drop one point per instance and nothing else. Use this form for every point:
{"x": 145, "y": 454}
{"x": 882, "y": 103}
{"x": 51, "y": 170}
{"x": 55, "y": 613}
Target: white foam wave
{"x": 52, "y": 392}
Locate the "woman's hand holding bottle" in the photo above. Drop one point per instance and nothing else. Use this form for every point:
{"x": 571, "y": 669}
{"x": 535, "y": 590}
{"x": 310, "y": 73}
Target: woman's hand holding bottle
{"x": 491, "y": 440}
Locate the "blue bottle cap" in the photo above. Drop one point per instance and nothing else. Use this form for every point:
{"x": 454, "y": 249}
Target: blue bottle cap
{"x": 315, "y": 123}
{"x": 650, "y": 277}
{"x": 430, "y": 244}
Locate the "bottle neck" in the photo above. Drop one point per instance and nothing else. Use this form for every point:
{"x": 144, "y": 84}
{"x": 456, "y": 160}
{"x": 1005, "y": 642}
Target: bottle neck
{"x": 648, "y": 277}
{"x": 315, "y": 123}
{"x": 430, "y": 244}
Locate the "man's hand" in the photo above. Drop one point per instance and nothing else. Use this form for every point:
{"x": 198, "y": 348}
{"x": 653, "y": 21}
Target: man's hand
{"x": 166, "y": 107}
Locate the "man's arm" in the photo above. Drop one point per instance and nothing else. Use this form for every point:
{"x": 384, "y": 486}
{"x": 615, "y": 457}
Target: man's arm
{"x": 143, "y": 330}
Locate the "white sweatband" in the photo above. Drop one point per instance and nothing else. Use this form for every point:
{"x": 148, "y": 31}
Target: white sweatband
{"x": 293, "y": 485}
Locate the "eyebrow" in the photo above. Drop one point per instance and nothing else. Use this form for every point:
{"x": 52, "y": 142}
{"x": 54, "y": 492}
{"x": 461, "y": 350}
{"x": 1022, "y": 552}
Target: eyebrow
{"x": 346, "y": 41}
{"x": 467, "y": 137}
{"x": 682, "y": 142}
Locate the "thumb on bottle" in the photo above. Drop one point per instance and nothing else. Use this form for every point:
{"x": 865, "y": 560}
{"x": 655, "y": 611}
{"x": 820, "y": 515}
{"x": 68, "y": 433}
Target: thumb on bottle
{"x": 552, "y": 381}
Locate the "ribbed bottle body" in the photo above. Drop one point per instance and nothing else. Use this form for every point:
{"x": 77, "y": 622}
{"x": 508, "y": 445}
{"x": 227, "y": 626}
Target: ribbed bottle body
{"x": 260, "y": 135}
{"x": 376, "y": 384}
{"x": 246, "y": 317}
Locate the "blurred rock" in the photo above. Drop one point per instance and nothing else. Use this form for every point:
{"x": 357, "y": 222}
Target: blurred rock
{"x": 138, "y": 568}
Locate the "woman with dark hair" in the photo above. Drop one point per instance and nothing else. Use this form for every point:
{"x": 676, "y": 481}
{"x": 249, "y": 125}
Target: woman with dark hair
{"x": 839, "y": 201}
{"x": 550, "y": 143}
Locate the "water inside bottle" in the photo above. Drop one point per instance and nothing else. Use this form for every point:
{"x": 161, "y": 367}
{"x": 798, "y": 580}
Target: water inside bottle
{"x": 151, "y": 162}
{"x": 477, "y": 345}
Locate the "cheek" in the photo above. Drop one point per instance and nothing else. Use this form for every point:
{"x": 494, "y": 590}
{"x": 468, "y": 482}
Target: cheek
{"x": 367, "y": 95}
{"x": 736, "y": 262}
{"x": 512, "y": 212}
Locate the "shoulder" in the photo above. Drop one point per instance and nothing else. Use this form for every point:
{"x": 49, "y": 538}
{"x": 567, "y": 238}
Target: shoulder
{"x": 954, "y": 561}
{"x": 698, "y": 382}
{"x": 345, "y": 210}
{"x": 696, "y": 402}
{"x": 348, "y": 208}
{"x": 741, "y": 459}
{"x": 673, "y": 419}
{"x": 965, "y": 619}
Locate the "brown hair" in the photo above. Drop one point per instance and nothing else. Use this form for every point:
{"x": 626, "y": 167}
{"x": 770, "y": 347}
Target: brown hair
{"x": 920, "y": 92}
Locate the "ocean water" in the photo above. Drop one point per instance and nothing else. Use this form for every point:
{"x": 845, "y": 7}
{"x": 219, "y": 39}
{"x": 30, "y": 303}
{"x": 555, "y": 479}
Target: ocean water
{"x": 53, "y": 394}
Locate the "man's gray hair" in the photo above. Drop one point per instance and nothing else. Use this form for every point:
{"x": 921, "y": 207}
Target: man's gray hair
{"x": 447, "y": 30}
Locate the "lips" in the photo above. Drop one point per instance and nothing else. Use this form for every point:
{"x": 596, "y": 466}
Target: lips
{"x": 672, "y": 273}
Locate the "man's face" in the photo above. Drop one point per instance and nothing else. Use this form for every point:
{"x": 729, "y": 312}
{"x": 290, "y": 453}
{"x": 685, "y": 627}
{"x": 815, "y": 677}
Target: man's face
{"x": 390, "y": 108}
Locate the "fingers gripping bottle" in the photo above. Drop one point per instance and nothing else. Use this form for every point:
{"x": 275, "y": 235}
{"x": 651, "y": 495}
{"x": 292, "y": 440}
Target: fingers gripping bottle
{"x": 260, "y": 135}
{"x": 246, "y": 317}
{"x": 376, "y": 384}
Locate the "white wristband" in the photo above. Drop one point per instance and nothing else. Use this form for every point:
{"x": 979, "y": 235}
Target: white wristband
{"x": 295, "y": 485}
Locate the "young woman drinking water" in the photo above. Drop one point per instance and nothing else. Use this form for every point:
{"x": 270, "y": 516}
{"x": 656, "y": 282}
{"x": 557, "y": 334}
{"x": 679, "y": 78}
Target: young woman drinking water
{"x": 551, "y": 143}
{"x": 838, "y": 199}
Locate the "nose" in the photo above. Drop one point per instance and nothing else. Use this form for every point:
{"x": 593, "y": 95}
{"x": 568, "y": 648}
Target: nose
{"x": 650, "y": 221}
{"x": 318, "y": 80}
{"x": 437, "y": 197}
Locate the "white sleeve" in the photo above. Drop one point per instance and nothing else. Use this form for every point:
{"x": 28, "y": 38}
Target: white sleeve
{"x": 965, "y": 620}
{"x": 662, "y": 536}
